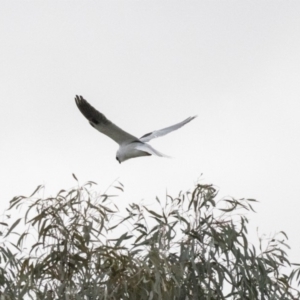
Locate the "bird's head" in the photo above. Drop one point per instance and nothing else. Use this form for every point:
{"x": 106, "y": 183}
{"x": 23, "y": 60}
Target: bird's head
{"x": 120, "y": 156}
{"x": 123, "y": 153}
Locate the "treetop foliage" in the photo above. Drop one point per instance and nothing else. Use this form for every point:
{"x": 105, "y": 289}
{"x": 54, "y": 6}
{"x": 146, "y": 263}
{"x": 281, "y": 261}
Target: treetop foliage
{"x": 77, "y": 245}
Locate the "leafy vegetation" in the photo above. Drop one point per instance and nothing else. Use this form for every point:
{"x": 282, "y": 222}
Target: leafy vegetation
{"x": 77, "y": 245}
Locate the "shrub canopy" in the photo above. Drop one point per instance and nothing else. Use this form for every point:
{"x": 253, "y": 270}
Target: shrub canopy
{"x": 77, "y": 245}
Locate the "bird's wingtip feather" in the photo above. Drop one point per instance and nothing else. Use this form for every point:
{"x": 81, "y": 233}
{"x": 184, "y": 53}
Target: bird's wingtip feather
{"x": 79, "y": 99}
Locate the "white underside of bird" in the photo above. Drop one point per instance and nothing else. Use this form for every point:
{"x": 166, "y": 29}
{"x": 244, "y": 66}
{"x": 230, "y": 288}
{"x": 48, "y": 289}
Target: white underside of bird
{"x": 129, "y": 145}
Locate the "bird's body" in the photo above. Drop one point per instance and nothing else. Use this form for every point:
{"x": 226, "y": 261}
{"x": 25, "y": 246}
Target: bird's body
{"x": 130, "y": 146}
{"x": 130, "y": 150}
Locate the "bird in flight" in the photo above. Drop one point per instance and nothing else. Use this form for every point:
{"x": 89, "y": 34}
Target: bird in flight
{"x": 130, "y": 146}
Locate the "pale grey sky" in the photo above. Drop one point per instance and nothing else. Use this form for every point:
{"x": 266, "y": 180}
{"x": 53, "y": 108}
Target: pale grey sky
{"x": 147, "y": 65}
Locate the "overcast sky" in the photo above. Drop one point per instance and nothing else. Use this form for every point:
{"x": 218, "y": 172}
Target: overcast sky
{"x": 147, "y": 65}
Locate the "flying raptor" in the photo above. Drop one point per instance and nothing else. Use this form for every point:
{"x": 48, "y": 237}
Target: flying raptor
{"x": 130, "y": 146}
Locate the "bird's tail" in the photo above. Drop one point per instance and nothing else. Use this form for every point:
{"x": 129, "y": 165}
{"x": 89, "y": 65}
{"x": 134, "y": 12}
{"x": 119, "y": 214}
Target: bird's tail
{"x": 149, "y": 149}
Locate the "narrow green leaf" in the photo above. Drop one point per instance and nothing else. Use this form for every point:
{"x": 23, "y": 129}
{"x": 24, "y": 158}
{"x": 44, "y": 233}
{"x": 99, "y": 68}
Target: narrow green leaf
{"x": 13, "y": 226}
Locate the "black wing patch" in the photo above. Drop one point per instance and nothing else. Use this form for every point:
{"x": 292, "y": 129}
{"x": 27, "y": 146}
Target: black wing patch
{"x": 147, "y": 134}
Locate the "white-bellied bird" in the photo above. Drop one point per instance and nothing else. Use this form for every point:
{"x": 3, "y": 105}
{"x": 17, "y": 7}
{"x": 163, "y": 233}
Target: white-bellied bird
{"x": 130, "y": 146}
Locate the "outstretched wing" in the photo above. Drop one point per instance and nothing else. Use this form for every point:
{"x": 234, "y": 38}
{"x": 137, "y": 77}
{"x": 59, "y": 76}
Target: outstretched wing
{"x": 102, "y": 124}
{"x": 157, "y": 133}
